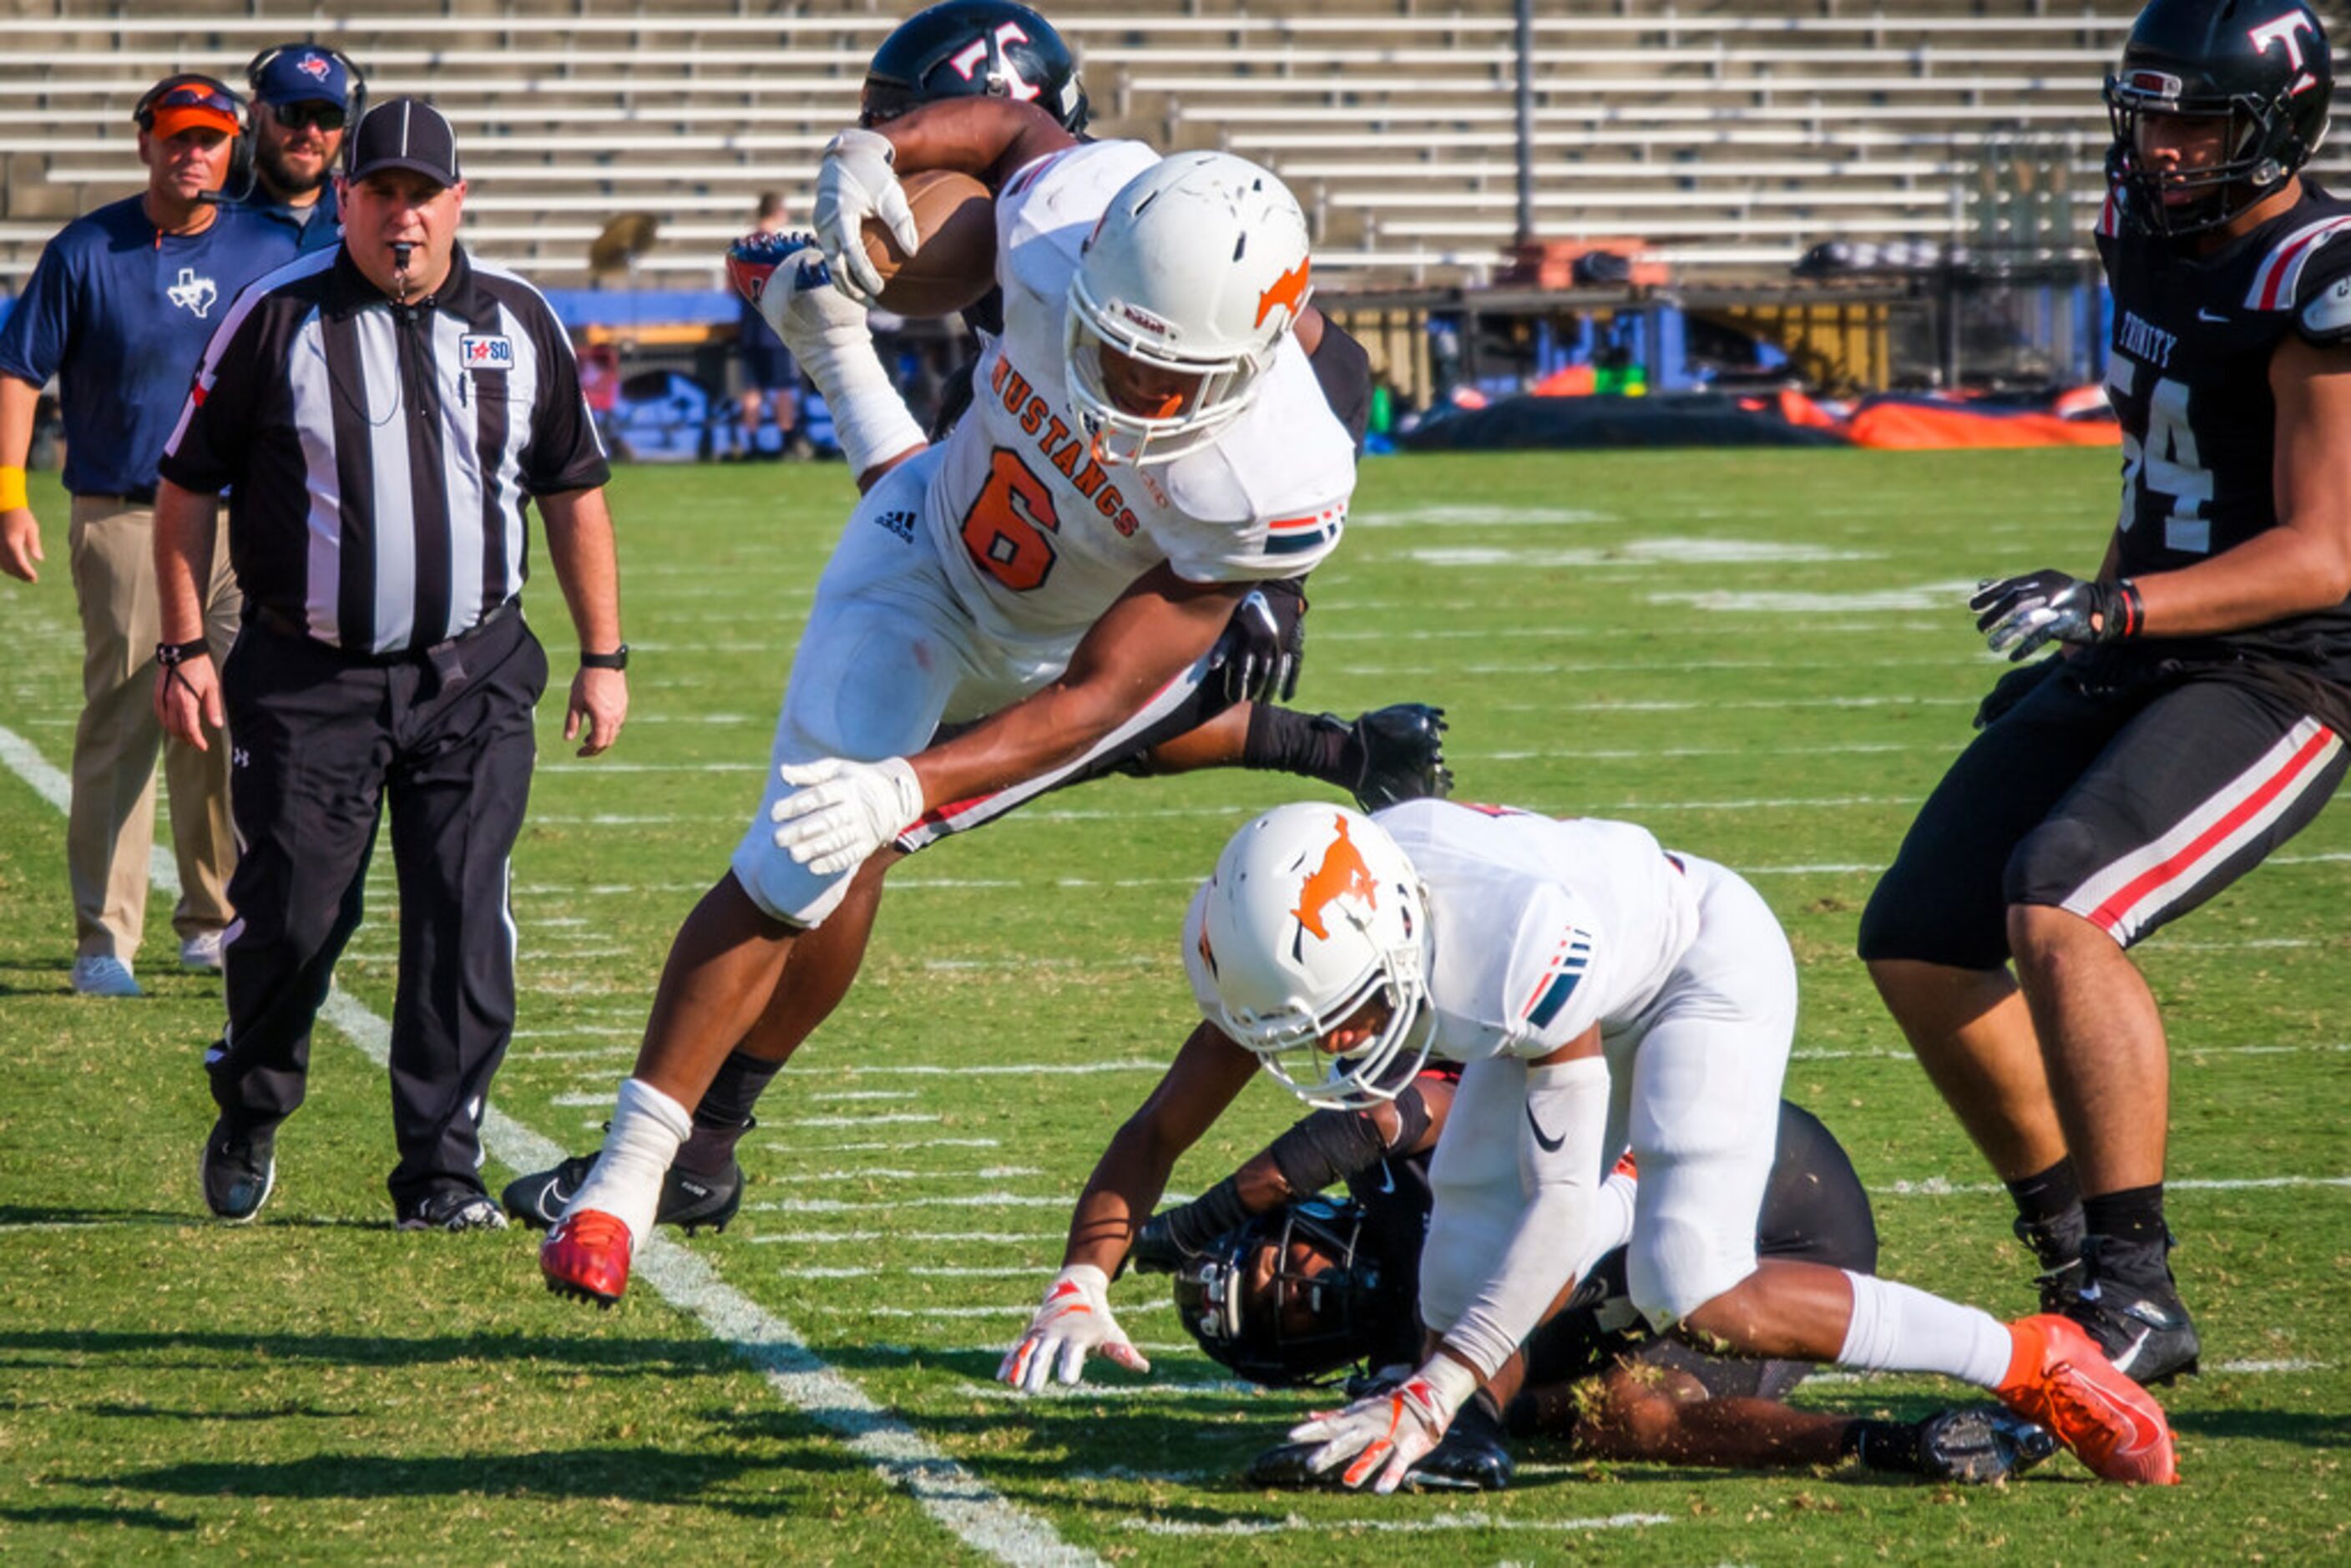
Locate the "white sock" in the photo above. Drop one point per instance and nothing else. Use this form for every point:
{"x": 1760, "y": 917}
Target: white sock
{"x": 626, "y": 1181}
{"x": 1899, "y": 1328}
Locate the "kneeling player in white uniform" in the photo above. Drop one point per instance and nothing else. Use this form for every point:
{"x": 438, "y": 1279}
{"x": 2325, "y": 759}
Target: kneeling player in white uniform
{"x": 1602, "y": 993}
{"x": 1147, "y": 445}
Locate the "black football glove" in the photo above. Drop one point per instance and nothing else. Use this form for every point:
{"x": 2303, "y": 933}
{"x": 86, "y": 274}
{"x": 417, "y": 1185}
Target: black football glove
{"x": 1258, "y": 664}
{"x": 2019, "y": 615}
{"x": 2013, "y": 687}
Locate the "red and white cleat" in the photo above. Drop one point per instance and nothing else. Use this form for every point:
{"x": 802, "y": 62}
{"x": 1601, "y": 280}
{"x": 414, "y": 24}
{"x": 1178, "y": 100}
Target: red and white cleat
{"x": 586, "y": 1256}
{"x": 2059, "y": 1378}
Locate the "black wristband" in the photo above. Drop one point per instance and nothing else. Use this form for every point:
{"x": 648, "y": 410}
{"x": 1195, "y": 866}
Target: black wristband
{"x": 1327, "y": 1147}
{"x": 1196, "y": 1224}
{"x": 618, "y": 659}
{"x": 2128, "y": 613}
{"x": 171, "y": 655}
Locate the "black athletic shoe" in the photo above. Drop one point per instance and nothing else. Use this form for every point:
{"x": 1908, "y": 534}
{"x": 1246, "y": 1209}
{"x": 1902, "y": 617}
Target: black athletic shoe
{"x": 1470, "y": 1457}
{"x": 1399, "y": 755}
{"x": 452, "y": 1209}
{"x": 537, "y": 1200}
{"x": 1979, "y": 1445}
{"x": 2140, "y": 1322}
{"x": 2058, "y": 1249}
{"x": 238, "y": 1170}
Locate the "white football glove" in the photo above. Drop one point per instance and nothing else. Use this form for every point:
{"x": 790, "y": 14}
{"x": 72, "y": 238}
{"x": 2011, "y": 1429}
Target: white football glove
{"x": 844, "y": 811}
{"x": 1072, "y": 1323}
{"x": 855, "y": 182}
{"x": 1392, "y": 1429}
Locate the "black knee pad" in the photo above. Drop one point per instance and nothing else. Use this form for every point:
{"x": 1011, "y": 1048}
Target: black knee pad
{"x": 2050, "y": 862}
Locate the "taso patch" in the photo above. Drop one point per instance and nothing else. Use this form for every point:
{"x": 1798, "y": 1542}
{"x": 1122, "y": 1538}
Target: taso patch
{"x": 482, "y": 352}
{"x": 2330, "y": 315}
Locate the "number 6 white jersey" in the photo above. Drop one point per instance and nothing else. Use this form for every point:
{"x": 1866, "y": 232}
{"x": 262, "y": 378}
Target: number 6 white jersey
{"x": 1038, "y": 536}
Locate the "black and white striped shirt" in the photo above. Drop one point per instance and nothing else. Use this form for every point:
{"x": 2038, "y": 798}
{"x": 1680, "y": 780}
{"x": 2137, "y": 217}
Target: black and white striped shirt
{"x": 380, "y": 457}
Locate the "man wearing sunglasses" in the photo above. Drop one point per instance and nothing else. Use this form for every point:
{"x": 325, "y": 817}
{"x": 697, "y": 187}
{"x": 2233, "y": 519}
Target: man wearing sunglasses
{"x": 117, "y": 310}
{"x": 302, "y": 98}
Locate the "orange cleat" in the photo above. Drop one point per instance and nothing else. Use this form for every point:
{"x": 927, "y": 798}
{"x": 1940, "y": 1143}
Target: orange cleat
{"x": 2059, "y": 1378}
{"x": 586, "y": 1256}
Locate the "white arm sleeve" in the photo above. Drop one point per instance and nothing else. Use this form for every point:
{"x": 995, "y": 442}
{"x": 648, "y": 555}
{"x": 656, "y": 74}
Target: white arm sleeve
{"x": 1565, "y": 1118}
{"x": 1611, "y": 1225}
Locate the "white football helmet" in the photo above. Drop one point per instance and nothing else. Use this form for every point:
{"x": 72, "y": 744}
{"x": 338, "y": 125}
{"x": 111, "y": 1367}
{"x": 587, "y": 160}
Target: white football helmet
{"x": 1198, "y": 266}
{"x": 1314, "y": 911}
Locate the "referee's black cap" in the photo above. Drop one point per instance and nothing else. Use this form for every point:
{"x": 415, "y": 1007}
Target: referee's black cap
{"x": 405, "y": 133}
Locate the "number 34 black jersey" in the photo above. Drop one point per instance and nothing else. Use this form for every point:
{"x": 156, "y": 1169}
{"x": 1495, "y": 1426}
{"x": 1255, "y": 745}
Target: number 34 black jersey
{"x": 2187, "y": 371}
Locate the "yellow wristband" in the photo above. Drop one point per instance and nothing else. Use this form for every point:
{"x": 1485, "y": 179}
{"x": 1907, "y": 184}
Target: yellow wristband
{"x": 11, "y": 488}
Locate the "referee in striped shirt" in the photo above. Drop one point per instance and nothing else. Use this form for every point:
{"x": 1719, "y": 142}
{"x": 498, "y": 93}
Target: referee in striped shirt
{"x": 382, "y": 413}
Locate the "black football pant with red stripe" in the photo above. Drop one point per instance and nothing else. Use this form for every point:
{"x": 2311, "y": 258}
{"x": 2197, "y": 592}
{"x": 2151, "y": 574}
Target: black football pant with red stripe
{"x": 320, "y": 742}
{"x": 2127, "y": 791}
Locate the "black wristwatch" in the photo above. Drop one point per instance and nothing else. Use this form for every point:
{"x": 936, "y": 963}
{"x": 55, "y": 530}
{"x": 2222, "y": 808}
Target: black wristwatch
{"x": 618, "y": 659}
{"x": 170, "y": 654}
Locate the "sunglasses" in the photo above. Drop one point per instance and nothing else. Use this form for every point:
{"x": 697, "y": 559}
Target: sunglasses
{"x": 194, "y": 95}
{"x": 328, "y": 116}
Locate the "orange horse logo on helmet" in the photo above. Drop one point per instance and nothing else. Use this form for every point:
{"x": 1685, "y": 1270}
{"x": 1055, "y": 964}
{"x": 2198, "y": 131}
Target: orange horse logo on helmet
{"x": 1287, "y": 293}
{"x": 1341, "y": 875}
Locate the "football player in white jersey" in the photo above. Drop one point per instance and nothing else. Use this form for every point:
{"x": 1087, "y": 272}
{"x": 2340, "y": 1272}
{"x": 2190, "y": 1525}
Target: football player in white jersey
{"x": 1045, "y": 587}
{"x": 1604, "y": 994}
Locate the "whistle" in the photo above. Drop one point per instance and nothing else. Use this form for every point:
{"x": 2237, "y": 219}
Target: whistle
{"x": 400, "y": 257}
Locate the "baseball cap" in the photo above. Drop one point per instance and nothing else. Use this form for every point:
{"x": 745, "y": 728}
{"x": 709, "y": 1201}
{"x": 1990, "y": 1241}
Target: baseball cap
{"x": 405, "y": 133}
{"x": 189, "y": 103}
{"x": 301, "y": 73}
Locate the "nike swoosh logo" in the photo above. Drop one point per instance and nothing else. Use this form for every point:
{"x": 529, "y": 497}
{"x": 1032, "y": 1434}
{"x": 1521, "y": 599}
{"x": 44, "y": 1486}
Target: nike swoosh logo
{"x": 2204, "y": 315}
{"x": 1548, "y": 1144}
{"x": 1387, "y": 1177}
{"x": 2138, "y": 1343}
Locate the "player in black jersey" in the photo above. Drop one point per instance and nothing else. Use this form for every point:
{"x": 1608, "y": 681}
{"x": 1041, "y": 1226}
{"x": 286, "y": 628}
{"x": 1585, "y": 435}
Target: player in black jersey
{"x": 1307, "y": 1288}
{"x": 2193, "y": 718}
{"x": 1287, "y": 1288}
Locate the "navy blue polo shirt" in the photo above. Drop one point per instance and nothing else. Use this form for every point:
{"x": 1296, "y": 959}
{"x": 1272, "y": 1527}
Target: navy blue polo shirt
{"x": 121, "y": 314}
{"x": 316, "y": 227}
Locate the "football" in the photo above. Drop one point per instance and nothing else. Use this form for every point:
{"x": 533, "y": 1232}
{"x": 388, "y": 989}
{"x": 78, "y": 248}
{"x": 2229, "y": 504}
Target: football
{"x": 955, "y": 264}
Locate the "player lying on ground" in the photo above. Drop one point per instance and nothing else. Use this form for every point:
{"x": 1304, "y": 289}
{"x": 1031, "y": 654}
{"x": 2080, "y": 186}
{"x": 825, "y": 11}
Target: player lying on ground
{"x": 1605, "y": 994}
{"x": 1286, "y": 1289}
{"x": 1053, "y": 578}
{"x": 2194, "y": 718}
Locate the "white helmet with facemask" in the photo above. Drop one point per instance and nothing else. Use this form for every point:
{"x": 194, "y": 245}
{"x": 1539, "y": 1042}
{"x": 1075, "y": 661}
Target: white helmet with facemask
{"x": 1313, "y": 913}
{"x": 1197, "y": 267}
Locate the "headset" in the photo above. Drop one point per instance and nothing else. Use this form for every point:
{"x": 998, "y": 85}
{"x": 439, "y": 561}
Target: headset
{"x": 240, "y": 158}
{"x": 355, "y": 95}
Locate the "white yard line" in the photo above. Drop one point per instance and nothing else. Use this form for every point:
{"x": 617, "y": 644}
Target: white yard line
{"x": 1443, "y": 1523}
{"x": 982, "y": 1518}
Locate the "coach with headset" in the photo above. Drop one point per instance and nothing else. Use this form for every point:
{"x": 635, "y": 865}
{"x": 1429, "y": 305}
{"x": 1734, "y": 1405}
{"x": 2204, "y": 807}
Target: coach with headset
{"x": 304, "y": 96}
{"x": 382, "y": 415}
{"x": 119, "y": 310}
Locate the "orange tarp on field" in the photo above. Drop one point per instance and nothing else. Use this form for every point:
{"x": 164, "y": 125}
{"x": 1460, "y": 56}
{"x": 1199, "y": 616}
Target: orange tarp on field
{"x": 1914, "y": 427}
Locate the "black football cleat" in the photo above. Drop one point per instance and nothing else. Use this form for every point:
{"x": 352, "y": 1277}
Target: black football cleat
{"x": 2146, "y": 1333}
{"x": 452, "y": 1209}
{"x": 239, "y": 1170}
{"x": 2057, "y": 1248}
{"x": 537, "y": 1200}
{"x": 1399, "y": 754}
{"x": 1470, "y": 1457}
{"x": 1980, "y": 1444}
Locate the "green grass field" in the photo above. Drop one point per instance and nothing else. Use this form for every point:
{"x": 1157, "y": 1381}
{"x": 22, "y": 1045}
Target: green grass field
{"x": 1759, "y": 655}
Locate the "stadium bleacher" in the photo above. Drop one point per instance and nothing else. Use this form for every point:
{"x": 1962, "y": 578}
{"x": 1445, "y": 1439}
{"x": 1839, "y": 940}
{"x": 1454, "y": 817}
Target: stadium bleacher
{"x": 1719, "y": 136}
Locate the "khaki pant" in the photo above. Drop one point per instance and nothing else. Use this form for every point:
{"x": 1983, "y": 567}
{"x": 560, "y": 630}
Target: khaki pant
{"x": 111, "y": 827}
